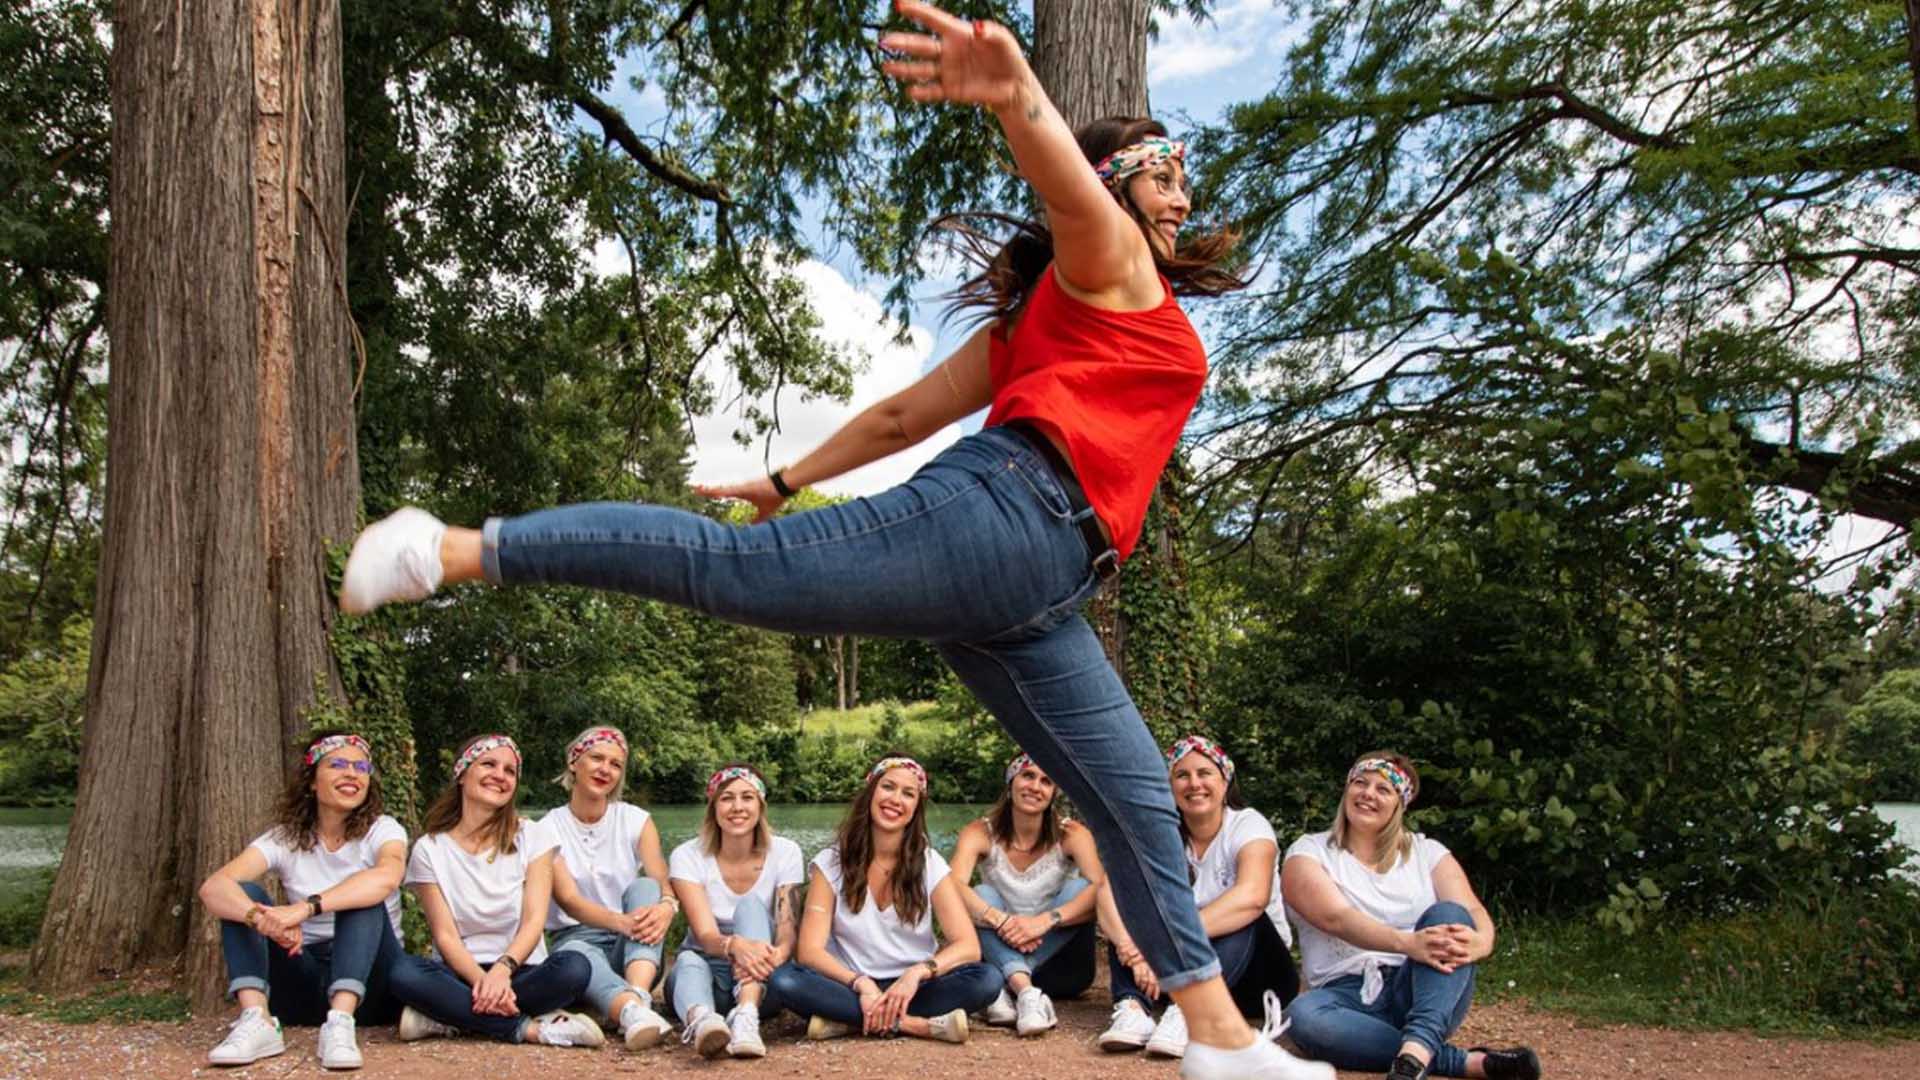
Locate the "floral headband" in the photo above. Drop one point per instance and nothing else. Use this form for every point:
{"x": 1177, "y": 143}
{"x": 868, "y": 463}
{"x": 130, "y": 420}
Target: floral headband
{"x": 1205, "y": 746}
{"x": 907, "y": 763}
{"x": 328, "y": 744}
{"x": 735, "y": 772}
{"x": 1139, "y": 157}
{"x": 593, "y": 738}
{"x": 1020, "y": 761}
{"x": 1397, "y": 776}
{"x": 481, "y": 746}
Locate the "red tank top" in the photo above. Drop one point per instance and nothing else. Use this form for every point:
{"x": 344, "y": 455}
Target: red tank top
{"x": 1115, "y": 388}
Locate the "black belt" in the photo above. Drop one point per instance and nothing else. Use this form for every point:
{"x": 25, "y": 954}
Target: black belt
{"x": 1106, "y": 560}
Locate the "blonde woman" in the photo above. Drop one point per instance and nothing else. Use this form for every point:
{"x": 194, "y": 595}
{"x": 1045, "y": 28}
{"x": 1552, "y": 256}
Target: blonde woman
{"x": 737, "y": 882}
{"x": 1390, "y": 933}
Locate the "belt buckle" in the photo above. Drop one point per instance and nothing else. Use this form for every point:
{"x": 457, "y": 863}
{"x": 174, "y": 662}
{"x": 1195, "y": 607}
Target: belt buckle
{"x": 1106, "y": 564}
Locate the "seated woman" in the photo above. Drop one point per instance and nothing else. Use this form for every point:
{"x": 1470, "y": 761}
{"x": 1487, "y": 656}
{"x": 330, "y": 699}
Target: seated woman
{"x": 605, "y": 907}
{"x": 1036, "y": 914}
{"x": 1369, "y": 896}
{"x": 867, "y": 956}
{"x": 736, "y": 882}
{"x": 484, "y": 876}
{"x": 323, "y": 956}
{"x": 1232, "y": 859}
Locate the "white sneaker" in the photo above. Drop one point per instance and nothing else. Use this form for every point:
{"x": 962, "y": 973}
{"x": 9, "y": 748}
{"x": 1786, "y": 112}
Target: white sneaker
{"x": 706, "y": 1033}
{"x": 641, "y": 1027}
{"x": 1169, "y": 1037}
{"x": 338, "y": 1047}
{"x": 1130, "y": 1028}
{"x": 1261, "y": 1061}
{"x": 949, "y": 1028}
{"x": 1002, "y": 1013}
{"x": 395, "y": 558}
{"x": 743, "y": 1029}
{"x": 416, "y": 1025}
{"x": 1035, "y": 1013}
{"x": 820, "y": 1028}
{"x": 562, "y": 1028}
{"x": 252, "y": 1035}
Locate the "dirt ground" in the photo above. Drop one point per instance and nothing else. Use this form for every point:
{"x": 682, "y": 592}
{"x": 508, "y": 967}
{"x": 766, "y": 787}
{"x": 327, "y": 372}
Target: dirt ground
{"x": 31, "y": 1047}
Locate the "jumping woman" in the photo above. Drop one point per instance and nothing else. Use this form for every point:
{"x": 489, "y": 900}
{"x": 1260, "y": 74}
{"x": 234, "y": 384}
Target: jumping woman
{"x": 1089, "y": 369}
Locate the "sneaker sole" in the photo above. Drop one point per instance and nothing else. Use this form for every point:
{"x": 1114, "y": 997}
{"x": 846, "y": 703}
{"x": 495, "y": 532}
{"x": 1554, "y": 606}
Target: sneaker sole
{"x": 818, "y": 1030}
{"x": 1162, "y": 1050}
{"x": 644, "y": 1036}
{"x": 342, "y": 1066}
{"x": 1031, "y": 1032}
{"x": 1119, "y": 1044}
{"x": 275, "y": 1051}
{"x": 713, "y": 1043}
{"x": 747, "y": 1050}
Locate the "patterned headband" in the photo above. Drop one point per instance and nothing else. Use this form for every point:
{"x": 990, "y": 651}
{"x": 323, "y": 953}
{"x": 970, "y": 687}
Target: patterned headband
{"x": 1205, "y": 746}
{"x": 328, "y": 744}
{"x": 735, "y": 772}
{"x": 1020, "y": 761}
{"x": 1397, "y": 776}
{"x": 481, "y": 746}
{"x": 1139, "y": 157}
{"x": 594, "y": 738}
{"x": 907, "y": 763}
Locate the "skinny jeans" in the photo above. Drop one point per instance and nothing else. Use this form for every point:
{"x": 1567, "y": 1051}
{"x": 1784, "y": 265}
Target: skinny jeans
{"x": 434, "y": 988}
{"x": 1062, "y": 965}
{"x": 969, "y": 987}
{"x": 607, "y": 953}
{"x": 1254, "y": 959}
{"x": 979, "y": 553}
{"x": 701, "y": 981}
{"x": 300, "y": 986}
{"x": 1416, "y": 1003}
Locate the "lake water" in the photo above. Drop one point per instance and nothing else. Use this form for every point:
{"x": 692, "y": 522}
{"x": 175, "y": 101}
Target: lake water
{"x": 31, "y": 839}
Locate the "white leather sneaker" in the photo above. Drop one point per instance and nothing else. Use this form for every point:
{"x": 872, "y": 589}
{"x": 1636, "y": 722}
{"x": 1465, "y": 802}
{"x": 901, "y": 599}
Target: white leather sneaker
{"x": 252, "y": 1035}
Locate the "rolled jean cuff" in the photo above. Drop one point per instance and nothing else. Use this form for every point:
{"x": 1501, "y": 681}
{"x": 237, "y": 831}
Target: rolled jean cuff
{"x": 351, "y": 986}
{"x": 490, "y": 550}
{"x": 246, "y": 982}
{"x": 1016, "y": 966}
{"x": 1183, "y": 979}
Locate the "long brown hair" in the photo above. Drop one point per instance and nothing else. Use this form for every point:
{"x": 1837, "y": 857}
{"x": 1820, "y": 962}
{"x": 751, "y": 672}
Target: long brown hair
{"x": 1396, "y": 840}
{"x": 710, "y": 824}
{"x": 444, "y": 814}
{"x": 855, "y": 841}
{"x": 1010, "y": 268}
{"x": 296, "y": 816}
{"x": 1000, "y": 819}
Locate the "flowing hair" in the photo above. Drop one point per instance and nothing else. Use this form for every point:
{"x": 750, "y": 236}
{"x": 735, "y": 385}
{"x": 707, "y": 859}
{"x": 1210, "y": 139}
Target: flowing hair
{"x": 855, "y": 841}
{"x": 296, "y": 815}
{"x": 710, "y": 824}
{"x": 1009, "y": 268}
{"x": 444, "y": 814}
{"x": 1396, "y": 840}
{"x": 1000, "y": 820}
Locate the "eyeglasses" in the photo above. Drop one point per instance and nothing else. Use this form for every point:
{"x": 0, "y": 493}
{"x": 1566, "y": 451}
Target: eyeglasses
{"x": 340, "y": 764}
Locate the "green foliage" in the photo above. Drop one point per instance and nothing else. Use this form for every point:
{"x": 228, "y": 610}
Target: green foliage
{"x": 21, "y": 914}
{"x": 106, "y": 1004}
{"x": 43, "y": 699}
{"x": 1883, "y": 736}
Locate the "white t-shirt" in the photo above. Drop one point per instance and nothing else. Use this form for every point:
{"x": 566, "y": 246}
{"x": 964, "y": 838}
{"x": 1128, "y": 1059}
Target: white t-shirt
{"x": 305, "y": 873}
{"x": 483, "y": 891}
{"x": 784, "y": 865}
{"x": 875, "y": 942}
{"x": 604, "y": 857}
{"x": 1396, "y": 898}
{"x": 1217, "y": 871}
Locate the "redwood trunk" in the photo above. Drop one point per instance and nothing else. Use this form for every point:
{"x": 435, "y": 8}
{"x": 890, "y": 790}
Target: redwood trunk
{"x": 230, "y": 463}
{"x": 1091, "y": 56}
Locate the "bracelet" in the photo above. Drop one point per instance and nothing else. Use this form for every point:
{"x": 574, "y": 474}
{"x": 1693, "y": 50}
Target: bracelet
{"x": 726, "y": 951}
{"x": 853, "y": 984}
{"x": 253, "y": 917}
{"x": 508, "y": 961}
{"x": 780, "y": 484}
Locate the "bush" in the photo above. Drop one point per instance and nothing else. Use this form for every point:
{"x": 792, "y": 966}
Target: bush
{"x": 20, "y": 917}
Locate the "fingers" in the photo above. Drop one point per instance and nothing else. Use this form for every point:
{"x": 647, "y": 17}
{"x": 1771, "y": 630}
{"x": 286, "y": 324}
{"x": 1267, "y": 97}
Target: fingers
{"x": 931, "y": 17}
{"x": 917, "y": 45}
{"x": 911, "y": 71}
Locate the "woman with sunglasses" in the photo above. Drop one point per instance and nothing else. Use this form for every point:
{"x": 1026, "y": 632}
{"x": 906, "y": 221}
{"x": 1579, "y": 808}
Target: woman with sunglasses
{"x": 323, "y": 956}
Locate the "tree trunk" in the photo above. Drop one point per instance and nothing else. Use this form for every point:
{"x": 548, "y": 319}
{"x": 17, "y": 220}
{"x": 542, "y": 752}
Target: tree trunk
{"x": 230, "y": 463}
{"x": 853, "y": 673}
{"x": 1091, "y": 56}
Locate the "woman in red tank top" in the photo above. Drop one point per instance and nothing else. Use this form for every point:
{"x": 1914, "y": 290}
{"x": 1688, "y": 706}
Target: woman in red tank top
{"x": 1090, "y": 369}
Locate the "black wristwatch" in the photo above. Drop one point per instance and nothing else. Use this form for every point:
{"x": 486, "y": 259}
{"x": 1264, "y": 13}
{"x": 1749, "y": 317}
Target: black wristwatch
{"x": 313, "y": 905}
{"x": 1055, "y": 916}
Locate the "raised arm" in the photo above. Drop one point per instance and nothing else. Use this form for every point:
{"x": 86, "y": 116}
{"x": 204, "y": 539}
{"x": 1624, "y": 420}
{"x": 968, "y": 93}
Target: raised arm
{"x": 957, "y": 388}
{"x": 1097, "y": 248}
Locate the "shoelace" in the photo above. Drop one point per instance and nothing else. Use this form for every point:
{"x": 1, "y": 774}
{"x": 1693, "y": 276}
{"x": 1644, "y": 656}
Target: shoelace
{"x": 1276, "y": 1021}
{"x": 243, "y": 1025}
{"x": 333, "y": 1034}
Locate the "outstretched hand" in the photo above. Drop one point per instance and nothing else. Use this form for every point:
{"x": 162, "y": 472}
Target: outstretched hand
{"x": 758, "y": 493}
{"x": 974, "y": 63}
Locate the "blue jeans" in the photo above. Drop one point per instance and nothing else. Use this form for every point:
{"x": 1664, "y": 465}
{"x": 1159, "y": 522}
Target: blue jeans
{"x": 970, "y": 987}
{"x": 1417, "y": 1004}
{"x": 603, "y": 949}
{"x": 435, "y": 989}
{"x": 979, "y": 553}
{"x": 707, "y": 981}
{"x": 1254, "y": 959}
{"x": 1062, "y": 965}
{"x": 298, "y": 988}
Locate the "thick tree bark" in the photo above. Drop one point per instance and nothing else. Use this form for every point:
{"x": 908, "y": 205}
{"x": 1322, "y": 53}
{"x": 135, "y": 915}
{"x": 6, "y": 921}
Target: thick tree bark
{"x": 1091, "y": 55}
{"x": 230, "y": 463}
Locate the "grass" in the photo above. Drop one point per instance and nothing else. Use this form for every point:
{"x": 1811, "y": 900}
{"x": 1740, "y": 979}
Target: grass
{"x": 119, "y": 1003}
{"x": 918, "y": 723}
{"x": 1759, "y": 971}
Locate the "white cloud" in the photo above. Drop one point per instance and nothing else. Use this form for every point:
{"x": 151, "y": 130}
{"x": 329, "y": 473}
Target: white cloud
{"x": 851, "y": 317}
{"x": 1237, "y": 32}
